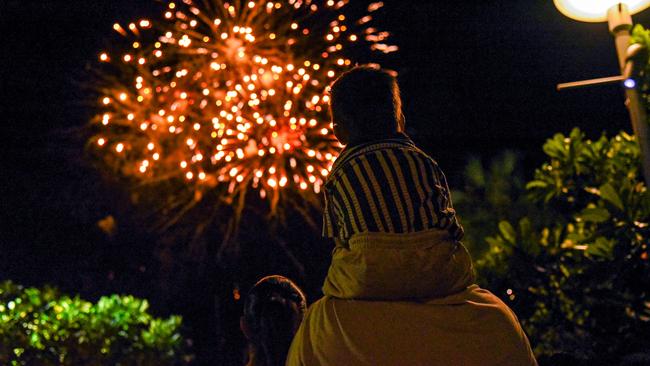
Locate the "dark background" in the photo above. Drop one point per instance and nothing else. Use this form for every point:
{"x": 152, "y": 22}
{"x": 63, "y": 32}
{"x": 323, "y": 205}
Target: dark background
{"x": 477, "y": 77}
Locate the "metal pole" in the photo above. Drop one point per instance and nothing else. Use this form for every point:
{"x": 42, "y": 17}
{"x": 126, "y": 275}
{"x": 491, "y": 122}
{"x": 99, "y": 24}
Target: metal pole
{"x": 620, "y": 23}
{"x": 590, "y": 82}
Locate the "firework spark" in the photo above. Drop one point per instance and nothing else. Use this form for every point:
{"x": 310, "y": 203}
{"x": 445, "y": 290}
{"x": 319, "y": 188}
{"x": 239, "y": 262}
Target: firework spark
{"x": 229, "y": 96}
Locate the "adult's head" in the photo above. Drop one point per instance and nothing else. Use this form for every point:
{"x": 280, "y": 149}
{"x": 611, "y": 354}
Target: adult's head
{"x": 365, "y": 105}
{"x": 273, "y": 311}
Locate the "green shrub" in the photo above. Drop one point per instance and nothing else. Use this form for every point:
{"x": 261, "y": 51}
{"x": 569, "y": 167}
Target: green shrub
{"x": 489, "y": 195}
{"x": 578, "y": 274}
{"x": 44, "y": 327}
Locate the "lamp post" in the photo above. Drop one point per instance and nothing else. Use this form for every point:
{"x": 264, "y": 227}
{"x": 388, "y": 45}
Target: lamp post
{"x": 618, "y": 15}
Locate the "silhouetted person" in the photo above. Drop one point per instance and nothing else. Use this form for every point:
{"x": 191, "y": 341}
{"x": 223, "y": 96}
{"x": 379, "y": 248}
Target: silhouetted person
{"x": 273, "y": 310}
{"x": 383, "y": 188}
{"x": 400, "y": 289}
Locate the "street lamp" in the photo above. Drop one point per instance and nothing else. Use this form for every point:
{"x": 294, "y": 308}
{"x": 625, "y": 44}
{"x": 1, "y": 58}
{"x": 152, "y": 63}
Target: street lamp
{"x": 596, "y": 10}
{"x": 618, "y": 14}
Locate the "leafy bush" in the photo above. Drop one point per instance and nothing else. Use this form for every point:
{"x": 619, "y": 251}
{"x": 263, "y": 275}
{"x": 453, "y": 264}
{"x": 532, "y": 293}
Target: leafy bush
{"x": 489, "y": 195}
{"x": 578, "y": 274}
{"x": 641, "y": 36}
{"x": 44, "y": 327}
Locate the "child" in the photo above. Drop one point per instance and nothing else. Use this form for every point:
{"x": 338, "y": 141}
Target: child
{"x": 273, "y": 310}
{"x": 383, "y": 192}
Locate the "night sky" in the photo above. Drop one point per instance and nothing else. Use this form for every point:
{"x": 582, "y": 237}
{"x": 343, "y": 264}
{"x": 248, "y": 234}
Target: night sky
{"x": 477, "y": 77}
{"x": 475, "y": 74}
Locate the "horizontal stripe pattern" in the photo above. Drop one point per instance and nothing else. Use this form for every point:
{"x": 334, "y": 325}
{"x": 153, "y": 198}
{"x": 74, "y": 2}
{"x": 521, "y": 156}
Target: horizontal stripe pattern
{"x": 391, "y": 187}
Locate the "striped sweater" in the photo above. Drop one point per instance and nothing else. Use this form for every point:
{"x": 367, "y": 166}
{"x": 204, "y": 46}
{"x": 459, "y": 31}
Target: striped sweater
{"x": 387, "y": 186}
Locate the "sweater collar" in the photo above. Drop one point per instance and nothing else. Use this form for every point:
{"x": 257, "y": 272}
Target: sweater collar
{"x": 353, "y": 149}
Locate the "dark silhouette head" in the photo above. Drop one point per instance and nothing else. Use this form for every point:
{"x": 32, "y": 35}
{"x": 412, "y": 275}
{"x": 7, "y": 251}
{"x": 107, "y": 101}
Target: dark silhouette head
{"x": 273, "y": 311}
{"x": 365, "y": 105}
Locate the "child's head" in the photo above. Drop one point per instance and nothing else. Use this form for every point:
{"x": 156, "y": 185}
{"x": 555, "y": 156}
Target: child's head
{"x": 365, "y": 105}
{"x": 273, "y": 311}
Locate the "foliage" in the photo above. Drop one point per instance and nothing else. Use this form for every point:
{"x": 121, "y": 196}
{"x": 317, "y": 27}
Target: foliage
{"x": 44, "y": 327}
{"x": 641, "y": 36}
{"x": 490, "y": 194}
{"x": 578, "y": 275}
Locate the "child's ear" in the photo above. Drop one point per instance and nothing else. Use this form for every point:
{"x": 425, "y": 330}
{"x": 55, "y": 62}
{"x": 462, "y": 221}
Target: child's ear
{"x": 341, "y": 133}
{"x": 341, "y": 122}
{"x": 244, "y": 328}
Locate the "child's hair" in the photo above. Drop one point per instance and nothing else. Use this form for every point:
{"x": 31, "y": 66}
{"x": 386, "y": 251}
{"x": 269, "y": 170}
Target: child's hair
{"x": 366, "y": 99}
{"x": 273, "y": 311}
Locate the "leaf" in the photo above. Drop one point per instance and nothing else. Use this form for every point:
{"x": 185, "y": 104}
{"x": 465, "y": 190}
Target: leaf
{"x": 565, "y": 271}
{"x": 525, "y": 228}
{"x": 528, "y": 242}
{"x": 508, "y": 232}
{"x": 555, "y": 147}
{"x": 645, "y": 202}
{"x": 536, "y": 184}
{"x": 609, "y": 194}
{"x": 474, "y": 173}
{"x": 494, "y": 242}
{"x": 595, "y": 214}
{"x": 602, "y": 248}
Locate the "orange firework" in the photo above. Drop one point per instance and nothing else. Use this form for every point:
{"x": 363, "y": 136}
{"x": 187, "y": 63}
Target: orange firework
{"x": 229, "y": 96}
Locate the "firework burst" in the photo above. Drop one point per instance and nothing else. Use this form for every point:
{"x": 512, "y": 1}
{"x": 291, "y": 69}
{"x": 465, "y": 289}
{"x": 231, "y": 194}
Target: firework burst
{"x": 228, "y": 96}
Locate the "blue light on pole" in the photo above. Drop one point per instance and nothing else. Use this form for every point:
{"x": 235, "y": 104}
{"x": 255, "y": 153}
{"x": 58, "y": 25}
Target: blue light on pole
{"x": 618, "y": 15}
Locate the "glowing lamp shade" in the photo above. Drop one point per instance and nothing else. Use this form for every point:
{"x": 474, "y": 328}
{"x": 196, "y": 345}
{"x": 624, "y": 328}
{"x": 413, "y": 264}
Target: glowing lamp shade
{"x": 596, "y": 10}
